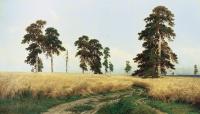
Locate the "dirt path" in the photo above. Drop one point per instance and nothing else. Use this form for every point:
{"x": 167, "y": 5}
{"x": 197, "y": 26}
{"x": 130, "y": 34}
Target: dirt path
{"x": 96, "y": 102}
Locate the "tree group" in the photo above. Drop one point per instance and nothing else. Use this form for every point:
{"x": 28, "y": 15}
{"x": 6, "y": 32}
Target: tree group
{"x": 90, "y": 52}
{"x": 154, "y": 60}
{"x": 39, "y": 43}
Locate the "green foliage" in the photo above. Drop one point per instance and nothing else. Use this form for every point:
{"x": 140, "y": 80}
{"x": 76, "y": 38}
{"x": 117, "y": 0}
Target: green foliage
{"x": 38, "y": 43}
{"x": 83, "y": 52}
{"x": 95, "y": 56}
{"x": 89, "y": 51}
{"x": 158, "y": 29}
{"x": 128, "y": 67}
{"x": 35, "y": 39}
{"x": 52, "y": 45}
{"x": 106, "y": 53}
{"x": 195, "y": 70}
{"x": 111, "y": 67}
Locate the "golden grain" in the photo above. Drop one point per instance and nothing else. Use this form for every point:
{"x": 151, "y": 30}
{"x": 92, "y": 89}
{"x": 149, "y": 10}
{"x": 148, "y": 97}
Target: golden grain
{"x": 63, "y": 84}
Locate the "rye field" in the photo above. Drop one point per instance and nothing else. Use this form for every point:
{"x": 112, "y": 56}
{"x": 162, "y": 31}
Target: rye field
{"x": 60, "y": 84}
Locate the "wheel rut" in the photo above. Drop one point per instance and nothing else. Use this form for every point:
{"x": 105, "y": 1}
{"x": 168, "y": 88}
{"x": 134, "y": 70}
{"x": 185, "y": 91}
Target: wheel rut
{"x": 94, "y": 102}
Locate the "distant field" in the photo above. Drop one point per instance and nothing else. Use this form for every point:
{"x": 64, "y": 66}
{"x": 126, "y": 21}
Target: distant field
{"x": 60, "y": 84}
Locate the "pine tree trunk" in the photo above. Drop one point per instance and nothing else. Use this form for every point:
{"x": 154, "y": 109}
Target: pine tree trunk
{"x": 51, "y": 63}
{"x": 159, "y": 54}
{"x": 83, "y": 71}
{"x": 37, "y": 67}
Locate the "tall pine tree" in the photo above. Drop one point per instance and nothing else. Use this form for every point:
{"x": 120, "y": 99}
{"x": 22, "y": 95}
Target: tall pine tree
{"x": 95, "y": 54}
{"x": 35, "y": 39}
{"x": 52, "y": 45}
{"x": 89, "y": 51}
{"x": 106, "y": 53}
{"x": 157, "y": 56}
{"x": 83, "y": 52}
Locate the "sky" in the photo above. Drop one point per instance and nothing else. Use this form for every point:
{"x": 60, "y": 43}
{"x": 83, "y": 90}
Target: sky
{"x": 115, "y": 23}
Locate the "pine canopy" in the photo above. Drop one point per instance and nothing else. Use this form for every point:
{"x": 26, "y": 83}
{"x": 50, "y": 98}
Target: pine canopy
{"x": 158, "y": 27}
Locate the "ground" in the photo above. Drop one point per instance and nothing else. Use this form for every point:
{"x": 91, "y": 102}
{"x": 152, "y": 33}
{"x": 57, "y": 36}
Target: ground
{"x": 95, "y": 102}
{"x": 132, "y": 101}
{"x": 61, "y": 93}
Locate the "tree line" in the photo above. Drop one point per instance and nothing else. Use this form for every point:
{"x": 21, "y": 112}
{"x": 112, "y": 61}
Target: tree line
{"x": 154, "y": 60}
{"x": 89, "y": 50}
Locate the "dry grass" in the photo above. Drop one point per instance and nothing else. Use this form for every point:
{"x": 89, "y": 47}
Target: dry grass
{"x": 173, "y": 88}
{"x": 61, "y": 84}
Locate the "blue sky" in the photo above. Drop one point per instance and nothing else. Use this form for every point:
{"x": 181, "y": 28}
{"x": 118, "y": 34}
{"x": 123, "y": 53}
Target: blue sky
{"x": 115, "y": 23}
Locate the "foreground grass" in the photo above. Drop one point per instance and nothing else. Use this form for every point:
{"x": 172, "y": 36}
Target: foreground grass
{"x": 30, "y": 105}
{"x": 81, "y": 108}
{"x": 140, "y": 103}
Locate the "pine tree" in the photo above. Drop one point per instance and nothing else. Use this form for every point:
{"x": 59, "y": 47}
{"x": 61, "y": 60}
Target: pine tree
{"x": 95, "y": 56}
{"x": 128, "y": 67}
{"x": 35, "y": 39}
{"x": 195, "y": 70}
{"x": 89, "y": 51}
{"x": 157, "y": 56}
{"x": 106, "y": 53}
{"x": 82, "y": 52}
{"x": 52, "y": 45}
{"x": 111, "y": 67}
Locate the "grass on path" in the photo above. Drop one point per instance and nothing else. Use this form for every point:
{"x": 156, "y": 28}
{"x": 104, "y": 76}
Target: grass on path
{"x": 140, "y": 103}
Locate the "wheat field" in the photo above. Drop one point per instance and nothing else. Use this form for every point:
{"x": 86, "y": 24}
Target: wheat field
{"x": 63, "y": 84}
{"x": 185, "y": 89}
{"x": 59, "y": 84}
